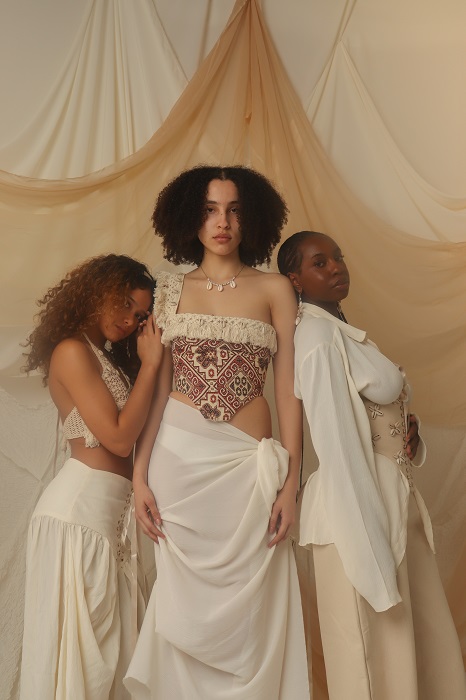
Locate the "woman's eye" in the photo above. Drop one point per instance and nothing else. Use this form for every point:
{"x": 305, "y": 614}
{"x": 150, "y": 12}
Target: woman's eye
{"x": 319, "y": 263}
{"x": 234, "y": 210}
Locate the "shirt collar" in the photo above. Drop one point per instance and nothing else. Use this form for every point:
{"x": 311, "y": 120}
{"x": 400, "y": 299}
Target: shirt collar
{"x": 351, "y": 331}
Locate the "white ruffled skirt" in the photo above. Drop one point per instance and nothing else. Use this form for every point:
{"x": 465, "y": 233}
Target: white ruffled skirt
{"x": 78, "y": 610}
{"x": 224, "y": 620}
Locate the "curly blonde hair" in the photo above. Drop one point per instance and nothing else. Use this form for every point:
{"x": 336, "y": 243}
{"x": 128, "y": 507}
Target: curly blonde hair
{"x": 78, "y": 300}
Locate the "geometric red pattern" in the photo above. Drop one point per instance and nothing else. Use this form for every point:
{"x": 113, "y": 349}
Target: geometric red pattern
{"x": 219, "y": 377}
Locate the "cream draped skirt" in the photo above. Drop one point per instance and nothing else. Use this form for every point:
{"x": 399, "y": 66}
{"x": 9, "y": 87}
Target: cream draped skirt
{"x": 224, "y": 619}
{"x": 78, "y": 610}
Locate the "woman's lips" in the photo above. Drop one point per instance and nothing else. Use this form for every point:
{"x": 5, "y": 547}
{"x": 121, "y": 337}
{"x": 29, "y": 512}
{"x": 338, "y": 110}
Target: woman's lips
{"x": 341, "y": 284}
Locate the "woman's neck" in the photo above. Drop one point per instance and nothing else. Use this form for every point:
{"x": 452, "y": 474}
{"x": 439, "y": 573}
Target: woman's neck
{"x": 96, "y": 336}
{"x": 220, "y": 267}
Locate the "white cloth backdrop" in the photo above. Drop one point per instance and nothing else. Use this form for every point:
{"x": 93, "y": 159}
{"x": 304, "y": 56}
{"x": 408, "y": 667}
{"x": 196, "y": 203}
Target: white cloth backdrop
{"x": 86, "y": 84}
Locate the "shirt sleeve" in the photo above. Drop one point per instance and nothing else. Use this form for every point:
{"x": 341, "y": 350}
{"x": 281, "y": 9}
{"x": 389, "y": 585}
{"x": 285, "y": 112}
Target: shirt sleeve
{"x": 354, "y": 507}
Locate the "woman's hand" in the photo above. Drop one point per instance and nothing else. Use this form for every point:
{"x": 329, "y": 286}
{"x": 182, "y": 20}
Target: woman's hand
{"x": 147, "y": 513}
{"x": 149, "y": 344}
{"x": 412, "y": 438}
{"x": 283, "y": 514}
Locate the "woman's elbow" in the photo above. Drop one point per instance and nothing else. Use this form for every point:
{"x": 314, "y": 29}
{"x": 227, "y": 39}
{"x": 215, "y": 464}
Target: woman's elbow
{"x": 120, "y": 448}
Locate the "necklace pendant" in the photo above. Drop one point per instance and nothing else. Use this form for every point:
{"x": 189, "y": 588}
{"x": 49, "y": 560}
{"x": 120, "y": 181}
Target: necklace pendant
{"x": 221, "y": 285}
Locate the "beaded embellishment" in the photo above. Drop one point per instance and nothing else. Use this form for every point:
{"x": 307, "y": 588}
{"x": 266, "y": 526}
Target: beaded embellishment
{"x": 123, "y": 549}
{"x": 389, "y": 431}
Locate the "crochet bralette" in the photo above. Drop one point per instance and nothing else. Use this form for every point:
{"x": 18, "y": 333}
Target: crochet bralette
{"x": 73, "y": 425}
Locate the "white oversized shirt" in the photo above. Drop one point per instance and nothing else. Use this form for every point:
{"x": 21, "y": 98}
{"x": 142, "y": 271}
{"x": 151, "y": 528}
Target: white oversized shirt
{"x": 356, "y": 499}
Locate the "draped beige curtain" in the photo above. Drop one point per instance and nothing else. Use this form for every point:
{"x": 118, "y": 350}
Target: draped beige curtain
{"x": 240, "y": 106}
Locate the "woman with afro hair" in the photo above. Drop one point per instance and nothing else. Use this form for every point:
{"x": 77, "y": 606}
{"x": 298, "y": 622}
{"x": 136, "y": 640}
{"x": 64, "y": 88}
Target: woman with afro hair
{"x": 99, "y": 352}
{"x": 215, "y": 492}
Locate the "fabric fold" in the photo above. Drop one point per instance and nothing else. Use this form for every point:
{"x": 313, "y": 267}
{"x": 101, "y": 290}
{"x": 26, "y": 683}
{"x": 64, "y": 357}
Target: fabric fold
{"x": 78, "y": 628}
{"x": 224, "y": 618}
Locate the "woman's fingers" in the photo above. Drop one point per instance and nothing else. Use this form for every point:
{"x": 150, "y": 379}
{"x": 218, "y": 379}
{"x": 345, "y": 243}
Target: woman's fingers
{"x": 274, "y": 517}
{"x": 280, "y": 524}
{"x": 283, "y": 515}
{"x": 147, "y": 514}
{"x": 148, "y": 524}
{"x": 149, "y": 345}
{"x": 282, "y": 533}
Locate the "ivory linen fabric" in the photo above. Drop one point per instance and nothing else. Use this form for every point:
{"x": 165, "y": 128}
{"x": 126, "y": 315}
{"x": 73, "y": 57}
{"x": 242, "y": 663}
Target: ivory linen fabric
{"x": 358, "y": 497}
{"x": 376, "y": 576}
{"x": 224, "y": 618}
{"x": 78, "y": 633}
{"x": 410, "y": 651}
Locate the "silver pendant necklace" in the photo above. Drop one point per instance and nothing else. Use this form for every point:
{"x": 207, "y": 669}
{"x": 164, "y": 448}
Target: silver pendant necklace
{"x": 220, "y": 285}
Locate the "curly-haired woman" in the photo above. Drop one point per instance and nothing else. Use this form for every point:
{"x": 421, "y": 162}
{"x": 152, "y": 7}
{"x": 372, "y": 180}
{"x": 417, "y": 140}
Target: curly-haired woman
{"x": 99, "y": 354}
{"x": 215, "y": 491}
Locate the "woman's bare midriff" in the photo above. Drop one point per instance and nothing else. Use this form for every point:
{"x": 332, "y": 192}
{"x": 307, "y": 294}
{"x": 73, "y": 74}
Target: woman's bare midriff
{"x": 100, "y": 458}
{"x": 253, "y": 419}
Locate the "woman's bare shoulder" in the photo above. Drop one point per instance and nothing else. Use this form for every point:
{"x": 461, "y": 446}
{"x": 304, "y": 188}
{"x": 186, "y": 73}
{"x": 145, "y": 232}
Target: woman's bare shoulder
{"x": 274, "y": 282}
{"x": 267, "y": 276}
{"x": 71, "y": 352}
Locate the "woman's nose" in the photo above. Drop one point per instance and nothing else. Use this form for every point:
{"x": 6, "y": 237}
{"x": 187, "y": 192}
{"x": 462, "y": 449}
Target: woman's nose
{"x": 337, "y": 266}
{"x": 223, "y": 221}
{"x": 130, "y": 320}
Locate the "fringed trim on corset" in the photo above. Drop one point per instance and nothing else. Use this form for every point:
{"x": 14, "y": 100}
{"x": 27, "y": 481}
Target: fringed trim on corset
{"x": 231, "y": 329}
{"x": 227, "y": 328}
{"x": 166, "y": 296}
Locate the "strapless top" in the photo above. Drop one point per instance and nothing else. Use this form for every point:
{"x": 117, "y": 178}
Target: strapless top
{"x": 219, "y": 362}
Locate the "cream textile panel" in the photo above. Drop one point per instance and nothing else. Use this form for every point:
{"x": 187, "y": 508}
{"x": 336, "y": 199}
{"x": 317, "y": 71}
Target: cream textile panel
{"x": 239, "y": 107}
{"x": 389, "y": 109}
{"x": 103, "y": 95}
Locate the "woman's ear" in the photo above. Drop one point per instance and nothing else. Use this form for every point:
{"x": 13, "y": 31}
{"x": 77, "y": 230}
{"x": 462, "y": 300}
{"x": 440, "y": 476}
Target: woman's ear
{"x": 293, "y": 277}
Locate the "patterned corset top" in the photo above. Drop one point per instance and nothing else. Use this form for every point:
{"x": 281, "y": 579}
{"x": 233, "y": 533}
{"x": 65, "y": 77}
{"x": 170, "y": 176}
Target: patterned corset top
{"x": 219, "y": 377}
{"x": 219, "y": 362}
{"x": 388, "y": 424}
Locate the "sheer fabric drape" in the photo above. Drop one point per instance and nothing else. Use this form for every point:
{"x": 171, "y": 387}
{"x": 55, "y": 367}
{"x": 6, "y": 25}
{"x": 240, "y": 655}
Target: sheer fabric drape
{"x": 364, "y": 139}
